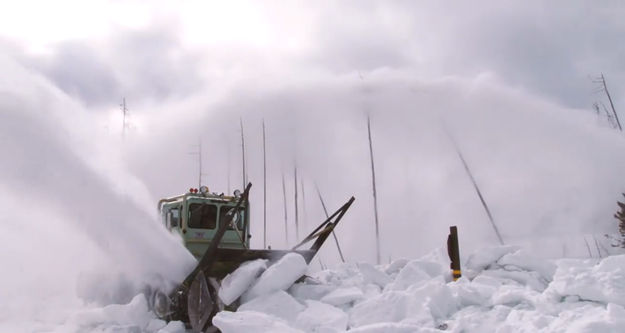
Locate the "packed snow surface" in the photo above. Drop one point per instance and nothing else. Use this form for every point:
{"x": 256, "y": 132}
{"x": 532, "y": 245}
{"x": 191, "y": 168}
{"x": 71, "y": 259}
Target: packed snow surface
{"x": 504, "y": 289}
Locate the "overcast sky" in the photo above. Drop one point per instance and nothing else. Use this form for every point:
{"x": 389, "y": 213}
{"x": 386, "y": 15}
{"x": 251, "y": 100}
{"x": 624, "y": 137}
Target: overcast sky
{"x": 98, "y": 51}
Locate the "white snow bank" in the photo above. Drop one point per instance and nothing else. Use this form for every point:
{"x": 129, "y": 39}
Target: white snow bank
{"x": 237, "y": 282}
{"x": 603, "y": 282}
{"x": 279, "y": 276}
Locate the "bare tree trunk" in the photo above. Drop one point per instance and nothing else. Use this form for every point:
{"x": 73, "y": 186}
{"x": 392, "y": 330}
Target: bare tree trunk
{"x": 264, "y": 189}
{"x": 605, "y": 88}
{"x": 476, "y": 187}
{"x": 375, "y": 196}
{"x": 295, "y": 201}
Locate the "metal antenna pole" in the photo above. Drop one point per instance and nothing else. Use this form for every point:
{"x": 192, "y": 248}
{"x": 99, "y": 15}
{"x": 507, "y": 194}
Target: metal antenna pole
{"x": 264, "y": 189}
{"x": 199, "y": 182}
{"x": 243, "y": 152}
{"x": 375, "y": 196}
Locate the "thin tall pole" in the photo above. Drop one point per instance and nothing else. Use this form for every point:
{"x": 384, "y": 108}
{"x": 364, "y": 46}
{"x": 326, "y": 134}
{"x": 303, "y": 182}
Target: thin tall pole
{"x": 476, "y": 187}
{"x": 605, "y": 88}
{"x": 199, "y": 173}
{"x": 295, "y": 201}
{"x": 264, "y": 188}
{"x": 375, "y": 195}
{"x": 243, "y": 153}
{"x": 228, "y": 171}
{"x": 325, "y": 210}
{"x": 286, "y": 225}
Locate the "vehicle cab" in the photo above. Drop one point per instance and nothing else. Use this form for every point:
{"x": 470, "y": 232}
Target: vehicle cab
{"x": 195, "y": 215}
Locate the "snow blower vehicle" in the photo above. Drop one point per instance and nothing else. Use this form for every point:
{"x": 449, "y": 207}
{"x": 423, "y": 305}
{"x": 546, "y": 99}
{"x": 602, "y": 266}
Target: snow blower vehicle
{"x": 215, "y": 228}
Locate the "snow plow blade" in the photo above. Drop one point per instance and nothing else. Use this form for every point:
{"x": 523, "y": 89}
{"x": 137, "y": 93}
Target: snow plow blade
{"x": 195, "y": 300}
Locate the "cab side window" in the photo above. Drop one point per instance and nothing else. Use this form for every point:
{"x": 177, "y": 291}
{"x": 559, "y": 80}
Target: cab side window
{"x": 173, "y": 218}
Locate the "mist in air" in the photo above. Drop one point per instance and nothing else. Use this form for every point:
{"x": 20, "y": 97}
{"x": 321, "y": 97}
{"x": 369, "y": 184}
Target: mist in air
{"x": 78, "y": 192}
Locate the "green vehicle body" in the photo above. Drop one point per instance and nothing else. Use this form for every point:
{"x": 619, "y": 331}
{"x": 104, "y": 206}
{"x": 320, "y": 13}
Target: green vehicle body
{"x": 195, "y": 216}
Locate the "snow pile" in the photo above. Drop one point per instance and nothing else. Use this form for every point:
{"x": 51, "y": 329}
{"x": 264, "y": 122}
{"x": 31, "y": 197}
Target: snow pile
{"x": 504, "y": 289}
{"x": 131, "y": 317}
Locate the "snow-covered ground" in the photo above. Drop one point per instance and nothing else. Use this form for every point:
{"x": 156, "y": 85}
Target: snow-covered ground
{"x": 503, "y": 289}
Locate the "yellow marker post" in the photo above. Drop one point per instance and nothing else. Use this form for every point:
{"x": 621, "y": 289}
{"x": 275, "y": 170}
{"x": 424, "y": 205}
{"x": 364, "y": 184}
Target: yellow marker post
{"x": 453, "y": 250}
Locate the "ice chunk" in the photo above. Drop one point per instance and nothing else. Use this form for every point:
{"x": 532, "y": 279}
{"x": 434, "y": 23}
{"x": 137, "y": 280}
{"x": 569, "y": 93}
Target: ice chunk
{"x": 321, "y": 317}
{"x": 279, "y": 276}
{"x": 279, "y": 304}
{"x": 250, "y": 321}
{"x": 342, "y": 296}
{"x": 371, "y": 274}
{"x": 237, "y": 282}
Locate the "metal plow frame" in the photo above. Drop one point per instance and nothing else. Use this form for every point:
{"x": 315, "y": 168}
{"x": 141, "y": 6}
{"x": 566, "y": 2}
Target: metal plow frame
{"x": 195, "y": 300}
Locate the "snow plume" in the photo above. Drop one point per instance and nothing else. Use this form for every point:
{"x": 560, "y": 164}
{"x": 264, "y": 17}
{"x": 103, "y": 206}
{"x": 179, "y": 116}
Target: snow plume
{"x": 69, "y": 211}
{"x": 547, "y": 172}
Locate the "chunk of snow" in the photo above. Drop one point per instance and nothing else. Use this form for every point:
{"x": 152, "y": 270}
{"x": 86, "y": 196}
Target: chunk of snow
{"x": 279, "y": 304}
{"x": 321, "y": 317}
{"x": 173, "y": 327}
{"x": 396, "y": 266}
{"x": 342, "y": 296}
{"x": 483, "y": 258}
{"x": 373, "y": 275}
{"x": 303, "y": 291}
{"x": 279, "y": 276}
{"x": 413, "y": 273}
{"x": 546, "y": 268}
{"x": 388, "y": 328}
{"x": 603, "y": 282}
{"x": 237, "y": 282}
{"x": 251, "y": 321}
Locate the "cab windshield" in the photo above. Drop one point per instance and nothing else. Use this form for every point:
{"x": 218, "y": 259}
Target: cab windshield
{"x": 202, "y": 216}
